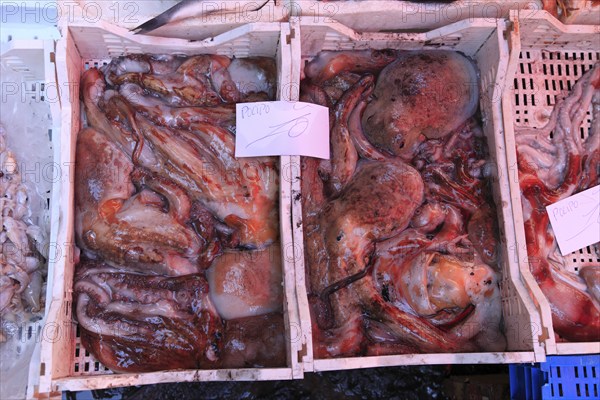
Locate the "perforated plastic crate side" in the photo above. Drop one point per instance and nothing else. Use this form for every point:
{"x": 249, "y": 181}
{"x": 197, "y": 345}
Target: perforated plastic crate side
{"x": 526, "y": 381}
{"x": 547, "y": 58}
{"x": 559, "y": 378}
{"x": 572, "y": 377}
{"x": 28, "y": 20}
{"x": 394, "y": 15}
{"x": 33, "y": 59}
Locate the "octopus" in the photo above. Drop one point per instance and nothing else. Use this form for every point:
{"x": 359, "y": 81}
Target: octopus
{"x": 240, "y": 193}
{"x": 400, "y": 251}
{"x": 22, "y": 248}
{"x": 552, "y": 168}
{"x": 200, "y": 80}
{"x": 125, "y": 226}
{"x": 444, "y": 279}
{"x": 246, "y": 283}
{"x": 169, "y": 321}
{"x": 180, "y": 264}
{"x": 330, "y": 64}
{"x": 421, "y": 94}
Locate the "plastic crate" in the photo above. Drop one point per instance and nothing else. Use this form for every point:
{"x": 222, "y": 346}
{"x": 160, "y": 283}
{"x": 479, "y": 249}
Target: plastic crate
{"x": 546, "y": 59}
{"x": 65, "y": 363}
{"x": 404, "y": 16}
{"x": 572, "y": 377}
{"x": 203, "y": 19}
{"x": 33, "y": 59}
{"x": 28, "y": 19}
{"x": 526, "y": 381}
{"x": 482, "y": 40}
{"x": 560, "y": 377}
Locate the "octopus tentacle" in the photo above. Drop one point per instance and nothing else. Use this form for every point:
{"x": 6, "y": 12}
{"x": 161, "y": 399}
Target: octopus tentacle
{"x": 365, "y": 149}
{"x": 344, "y": 155}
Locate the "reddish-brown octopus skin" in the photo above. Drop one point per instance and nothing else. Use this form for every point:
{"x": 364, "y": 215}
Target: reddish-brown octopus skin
{"x": 377, "y": 204}
{"x": 143, "y": 355}
{"x": 426, "y": 93}
{"x": 329, "y": 64}
{"x": 137, "y": 323}
{"x": 114, "y": 222}
{"x": 482, "y": 230}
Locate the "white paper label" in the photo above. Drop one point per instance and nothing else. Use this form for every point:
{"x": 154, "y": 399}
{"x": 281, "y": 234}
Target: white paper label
{"x": 281, "y": 128}
{"x": 576, "y": 220}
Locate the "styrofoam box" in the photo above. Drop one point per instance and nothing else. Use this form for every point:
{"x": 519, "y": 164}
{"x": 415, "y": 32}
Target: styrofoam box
{"x": 394, "y": 15}
{"x": 546, "y": 59}
{"x": 483, "y": 41}
{"x": 65, "y": 364}
{"x": 199, "y": 20}
{"x": 33, "y": 59}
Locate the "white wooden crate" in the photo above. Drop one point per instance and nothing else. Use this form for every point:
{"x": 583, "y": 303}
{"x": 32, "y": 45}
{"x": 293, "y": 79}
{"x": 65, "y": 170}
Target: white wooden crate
{"x": 65, "y": 364}
{"x": 34, "y": 60}
{"x": 394, "y": 15}
{"x": 546, "y": 59}
{"x": 483, "y": 40}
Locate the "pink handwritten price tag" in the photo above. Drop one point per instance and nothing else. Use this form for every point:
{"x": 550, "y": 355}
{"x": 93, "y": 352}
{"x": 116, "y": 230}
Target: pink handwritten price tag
{"x": 576, "y": 220}
{"x": 281, "y": 128}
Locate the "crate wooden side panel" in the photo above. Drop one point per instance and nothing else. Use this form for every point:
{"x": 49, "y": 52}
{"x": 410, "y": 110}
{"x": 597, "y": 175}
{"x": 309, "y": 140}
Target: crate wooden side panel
{"x": 547, "y": 58}
{"x": 484, "y": 42}
{"x": 66, "y": 365}
{"x": 394, "y": 15}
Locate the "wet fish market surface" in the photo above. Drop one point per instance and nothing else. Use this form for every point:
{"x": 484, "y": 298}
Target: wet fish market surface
{"x": 420, "y": 382}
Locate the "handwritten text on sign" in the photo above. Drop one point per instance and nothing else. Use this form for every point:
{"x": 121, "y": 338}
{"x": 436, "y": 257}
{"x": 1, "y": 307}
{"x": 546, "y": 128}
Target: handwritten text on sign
{"x": 576, "y": 220}
{"x": 278, "y": 128}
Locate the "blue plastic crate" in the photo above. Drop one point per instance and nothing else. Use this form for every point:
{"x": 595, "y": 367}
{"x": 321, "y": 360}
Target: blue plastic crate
{"x": 560, "y": 377}
{"x": 526, "y": 381}
{"x": 572, "y": 377}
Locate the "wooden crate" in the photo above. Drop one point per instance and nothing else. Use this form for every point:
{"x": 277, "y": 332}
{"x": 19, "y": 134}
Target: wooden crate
{"x": 484, "y": 41}
{"x": 65, "y": 364}
{"x": 543, "y": 51}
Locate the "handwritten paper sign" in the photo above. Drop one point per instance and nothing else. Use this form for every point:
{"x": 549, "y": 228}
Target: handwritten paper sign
{"x": 281, "y": 128}
{"x": 576, "y": 220}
